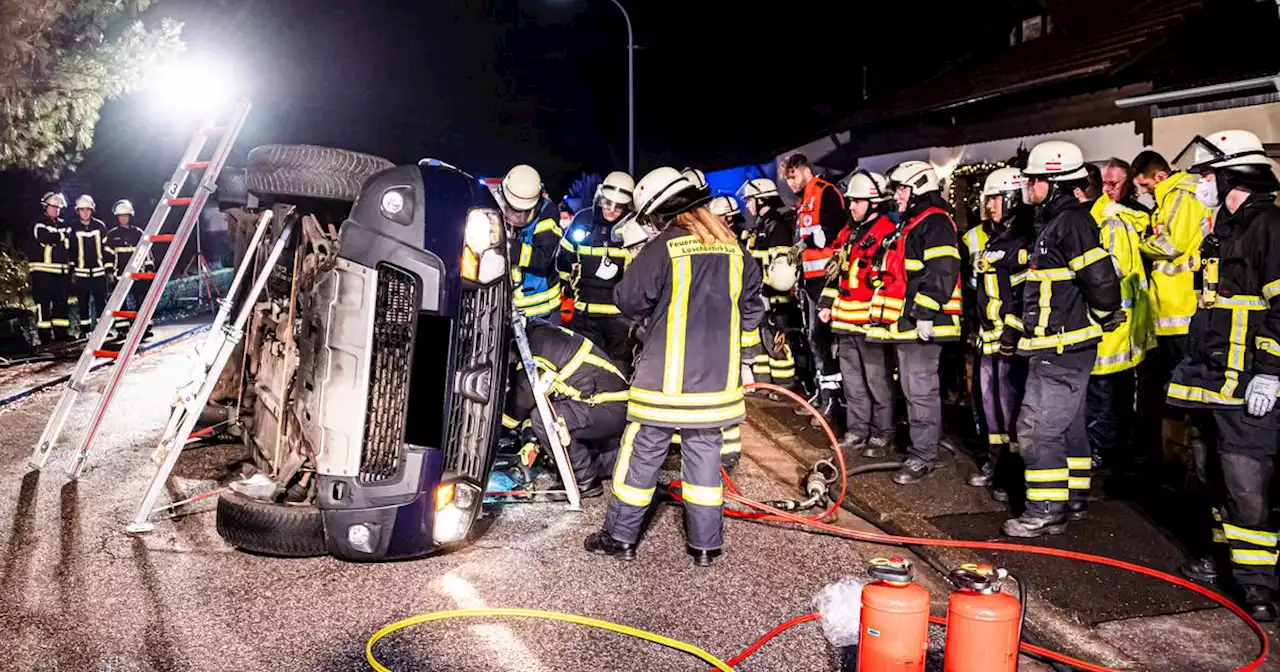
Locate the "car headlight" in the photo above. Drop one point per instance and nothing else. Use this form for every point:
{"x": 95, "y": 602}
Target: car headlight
{"x": 455, "y": 509}
{"x": 481, "y": 260}
{"x": 396, "y": 204}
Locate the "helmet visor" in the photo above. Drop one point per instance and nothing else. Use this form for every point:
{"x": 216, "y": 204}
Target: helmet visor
{"x": 1198, "y": 155}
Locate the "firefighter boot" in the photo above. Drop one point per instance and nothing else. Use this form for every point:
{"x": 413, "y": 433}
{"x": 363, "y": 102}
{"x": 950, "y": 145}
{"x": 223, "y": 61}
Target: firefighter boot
{"x": 913, "y": 470}
{"x": 1203, "y": 570}
{"x": 984, "y": 477}
{"x": 602, "y": 543}
{"x": 1039, "y": 519}
{"x": 877, "y": 447}
{"x": 703, "y": 557}
{"x": 851, "y": 445}
{"x": 1259, "y": 602}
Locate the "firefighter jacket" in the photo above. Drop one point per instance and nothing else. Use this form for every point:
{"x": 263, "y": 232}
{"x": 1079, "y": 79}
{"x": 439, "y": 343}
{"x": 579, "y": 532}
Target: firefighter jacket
{"x": 1178, "y": 225}
{"x": 1120, "y": 230}
{"x": 1001, "y": 270}
{"x": 590, "y": 263}
{"x": 121, "y": 243}
{"x": 916, "y": 275}
{"x": 849, "y": 298}
{"x": 88, "y": 249}
{"x": 580, "y": 371}
{"x": 697, "y": 298}
{"x": 820, "y": 208}
{"x": 773, "y": 235}
{"x": 975, "y": 241}
{"x": 533, "y": 263}
{"x": 1071, "y": 282}
{"x": 1235, "y": 333}
{"x": 48, "y": 250}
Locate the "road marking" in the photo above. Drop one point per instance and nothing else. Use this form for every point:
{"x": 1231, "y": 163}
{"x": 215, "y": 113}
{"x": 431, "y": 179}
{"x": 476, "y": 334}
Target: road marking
{"x": 509, "y": 651}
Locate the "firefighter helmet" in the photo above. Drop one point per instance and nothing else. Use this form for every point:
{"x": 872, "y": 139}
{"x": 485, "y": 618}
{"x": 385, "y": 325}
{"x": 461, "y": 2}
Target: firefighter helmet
{"x": 760, "y": 187}
{"x": 1003, "y": 180}
{"x": 697, "y": 177}
{"x": 725, "y": 206}
{"x": 781, "y": 273}
{"x": 54, "y": 198}
{"x": 918, "y": 176}
{"x": 122, "y": 207}
{"x": 617, "y": 187}
{"x": 631, "y": 233}
{"x": 868, "y": 186}
{"x": 1224, "y": 149}
{"x": 1056, "y": 161}
{"x": 86, "y": 201}
{"x": 522, "y": 187}
{"x": 666, "y": 191}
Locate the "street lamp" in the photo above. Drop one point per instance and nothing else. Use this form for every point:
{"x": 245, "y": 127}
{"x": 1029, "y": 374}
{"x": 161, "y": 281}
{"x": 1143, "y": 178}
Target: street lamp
{"x": 631, "y": 91}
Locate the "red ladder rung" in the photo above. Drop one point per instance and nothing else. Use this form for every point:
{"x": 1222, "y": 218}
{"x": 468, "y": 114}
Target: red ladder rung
{"x": 125, "y": 314}
{"x": 106, "y": 354}
{"x": 161, "y": 237}
{"x": 196, "y": 165}
{"x": 185, "y": 200}
{"x": 144, "y": 276}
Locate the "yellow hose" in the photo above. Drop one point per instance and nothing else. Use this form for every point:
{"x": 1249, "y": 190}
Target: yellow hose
{"x": 538, "y": 613}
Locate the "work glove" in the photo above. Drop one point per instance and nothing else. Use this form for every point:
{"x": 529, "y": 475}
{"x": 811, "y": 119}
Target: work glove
{"x": 1260, "y": 396}
{"x": 1113, "y": 321}
{"x": 1009, "y": 341}
{"x": 824, "y": 315}
{"x": 924, "y": 329}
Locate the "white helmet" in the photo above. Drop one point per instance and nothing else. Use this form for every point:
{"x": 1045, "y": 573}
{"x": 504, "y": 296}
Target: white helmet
{"x": 760, "y": 187}
{"x": 85, "y": 201}
{"x": 697, "y": 177}
{"x": 631, "y": 232}
{"x": 617, "y": 187}
{"x": 1002, "y": 180}
{"x": 781, "y": 273}
{"x": 919, "y": 176}
{"x": 54, "y": 198}
{"x": 122, "y": 207}
{"x": 1056, "y": 161}
{"x": 867, "y": 186}
{"x": 666, "y": 191}
{"x": 1223, "y": 149}
{"x": 522, "y": 187}
{"x": 725, "y": 206}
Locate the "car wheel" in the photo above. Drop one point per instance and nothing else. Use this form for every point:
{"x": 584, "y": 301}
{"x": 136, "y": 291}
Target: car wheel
{"x": 308, "y": 171}
{"x": 286, "y": 530}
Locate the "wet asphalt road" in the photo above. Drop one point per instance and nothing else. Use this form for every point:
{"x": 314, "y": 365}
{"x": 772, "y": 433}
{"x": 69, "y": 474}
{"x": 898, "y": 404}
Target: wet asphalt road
{"x": 77, "y": 593}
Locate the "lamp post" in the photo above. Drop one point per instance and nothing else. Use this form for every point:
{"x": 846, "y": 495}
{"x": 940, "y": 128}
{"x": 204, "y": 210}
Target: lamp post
{"x": 631, "y": 91}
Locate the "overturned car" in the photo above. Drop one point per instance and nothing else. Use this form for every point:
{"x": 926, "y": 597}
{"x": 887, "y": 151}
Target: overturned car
{"x": 369, "y": 391}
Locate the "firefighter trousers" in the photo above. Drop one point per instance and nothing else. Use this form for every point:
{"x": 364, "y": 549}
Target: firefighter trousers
{"x": 867, "y": 379}
{"x": 594, "y": 432}
{"x": 644, "y": 448}
{"x": 1153, "y": 408}
{"x": 86, "y": 289}
{"x": 918, "y": 373}
{"x": 1110, "y": 409}
{"x": 779, "y": 341}
{"x": 1051, "y": 430}
{"x": 1241, "y": 456}
{"x": 826, "y": 368}
{"x": 49, "y": 292}
{"x": 1001, "y": 381}
{"x": 611, "y": 333}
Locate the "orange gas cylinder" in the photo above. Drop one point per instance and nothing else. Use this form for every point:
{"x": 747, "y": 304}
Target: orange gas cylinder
{"x": 895, "y": 620}
{"x": 983, "y": 624}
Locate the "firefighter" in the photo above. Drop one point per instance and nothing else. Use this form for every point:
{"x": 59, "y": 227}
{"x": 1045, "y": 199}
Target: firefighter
{"x": 592, "y": 262}
{"x": 820, "y": 215}
{"x": 865, "y": 368}
{"x": 1110, "y": 399}
{"x": 1071, "y": 296}
{"x": 1001, "y": 269}
{"x": 916, "y": 305}
{"x": 771, "y": 240}
{"x": 755, "y": 361}
{"x": 89, "y": 262}
{"x": 697, "y": 292}
{"x": 121, "y": 243}
{"x": 534, "y": 245}
{"x": 47, "y": 257}
{"x": 588, "y": 393}
{"x": 1230, "y": 376}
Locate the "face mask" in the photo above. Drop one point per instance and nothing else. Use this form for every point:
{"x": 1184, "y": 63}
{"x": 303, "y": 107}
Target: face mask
{"x": 1147, "y": 200}
{"x": 1207, "y": 193}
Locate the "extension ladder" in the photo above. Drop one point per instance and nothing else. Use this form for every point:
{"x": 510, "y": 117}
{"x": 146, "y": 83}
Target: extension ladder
{"x": 556, "y": 432}
{"x": 141, "y": 318}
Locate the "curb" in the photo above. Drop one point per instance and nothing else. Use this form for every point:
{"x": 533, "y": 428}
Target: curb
{"x": 39, "y": 387}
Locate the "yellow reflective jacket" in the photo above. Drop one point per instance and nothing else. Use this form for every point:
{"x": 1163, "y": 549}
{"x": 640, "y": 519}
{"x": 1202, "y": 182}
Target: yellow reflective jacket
{"x": 1178, "y": 226}
{"x": 1121, "y": 229}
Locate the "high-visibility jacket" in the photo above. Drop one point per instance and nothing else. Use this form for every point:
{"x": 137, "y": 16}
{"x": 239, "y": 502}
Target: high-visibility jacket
{"x": 849, "y": 297}
{"x": 820, "y": 215}
{"x": 975, "y": 241}
{"x": 1178, "y": 225}
{"x": 773, "y": 235}
{"x": 591, "y": 263}
{"x": 121, "y": 244}
{"x": 916, "y": 276}
{"x": 88, "y": 249}
{"x": 1120, "y": 231}
{"x": 1071, "y": 285}
{"x": 48, "y": 249}
{"x": 533, "y": 264}
{"x": 1235, "y": 333}
{"x": 580, "y": 371}
{"x": 1001, "y": 269}
{"x": 696, "y": 300}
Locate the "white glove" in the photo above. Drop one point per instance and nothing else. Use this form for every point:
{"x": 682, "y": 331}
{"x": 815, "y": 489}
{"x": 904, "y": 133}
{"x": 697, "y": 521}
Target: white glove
{"x": 924, "y": 329}
{"x": 820, "y": 238}
{"x": 1260, "y": 396}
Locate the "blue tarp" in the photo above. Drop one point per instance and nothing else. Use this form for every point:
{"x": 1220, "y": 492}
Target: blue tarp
{"x": 728, "y": 180}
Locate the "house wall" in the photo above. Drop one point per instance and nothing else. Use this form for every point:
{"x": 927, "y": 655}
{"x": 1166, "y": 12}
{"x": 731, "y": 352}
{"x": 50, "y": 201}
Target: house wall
{"x": 1171, "y": 134}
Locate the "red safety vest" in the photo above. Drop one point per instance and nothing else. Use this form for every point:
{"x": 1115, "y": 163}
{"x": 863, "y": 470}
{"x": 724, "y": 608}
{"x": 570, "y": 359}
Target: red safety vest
{"x": 852, "y": 307}
{"x": 808, "y": 222}
{"x": 889, "y": 277}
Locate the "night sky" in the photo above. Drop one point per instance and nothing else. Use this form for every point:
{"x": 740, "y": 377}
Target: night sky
{"x": 485, "y": 84}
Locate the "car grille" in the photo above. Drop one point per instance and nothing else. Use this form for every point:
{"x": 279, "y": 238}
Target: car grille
{"x": 483, "y": 315}
{"x": 389, "y": 366}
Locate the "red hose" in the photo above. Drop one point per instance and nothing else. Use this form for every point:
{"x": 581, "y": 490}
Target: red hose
{"x": 766, "y": 512}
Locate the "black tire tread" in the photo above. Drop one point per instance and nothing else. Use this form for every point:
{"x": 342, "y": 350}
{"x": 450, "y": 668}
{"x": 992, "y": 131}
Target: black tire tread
{"x": 285, "y": 530}
{"x": 310, "y": 171}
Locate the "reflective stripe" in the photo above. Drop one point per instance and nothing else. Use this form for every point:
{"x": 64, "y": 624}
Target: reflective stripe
{"x": 1017, "y": 278}
{"x": 913, "y": 264}
{"x": 596, "y": 308}
{"x": 1051, "y": 274}
{"x": 1079, "y": 463}
{"x": 1271, "y": 289}
{"x": 926, "y": 302}
{"x": 811, "y": 265}
{"x": 1170, "y": 268}
{"x": 509, "y": 422}
{"x": 941, "y": 251}
{"x": 1090, "y": 256}
{"x": 1242, "y": 556}
{"x": 997, "y": 439}
{"x": 625, "y": 493}
{"x": 991, "y": 284}
{"x": 1062, "y": 340}
{"x": 677, "y": 318}
{"x": 1162, "y": 243}
{"x": 526, "y": 255}
{"x": 1173, "y": 321}
{"x": 1014, "y": 321}
{"x": 751, "y": 338}
{"x": 1047, "y": 475}
{"x": 686, "y": 416}
{"x": 702, "y": 495}
{"x": 1241, "y": 302}
{"x": 1048, "y": 494}
{"x": 1255, "y": 537}
{"x": 735, "y": 322}
{"x": 1268, "y": 345}
{"x": 1236, "y": 349}
{"x": 1225, "y": 396}
{"x": 1078, "y": 483}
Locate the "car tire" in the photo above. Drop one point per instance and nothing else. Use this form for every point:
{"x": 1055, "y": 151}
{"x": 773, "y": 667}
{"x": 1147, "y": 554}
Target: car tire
{"x": 285, "y": 530}
{"x": 308, "y": 171}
